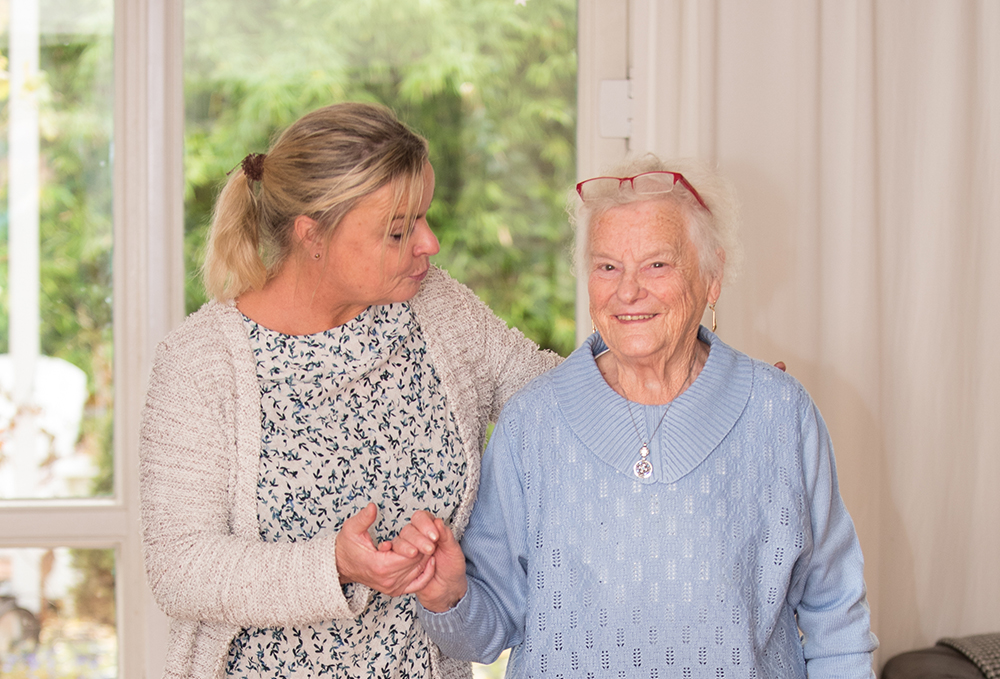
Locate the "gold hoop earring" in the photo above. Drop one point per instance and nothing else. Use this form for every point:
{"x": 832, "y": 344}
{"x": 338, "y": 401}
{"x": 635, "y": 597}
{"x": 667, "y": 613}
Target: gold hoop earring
{"x": 712, "y": 307}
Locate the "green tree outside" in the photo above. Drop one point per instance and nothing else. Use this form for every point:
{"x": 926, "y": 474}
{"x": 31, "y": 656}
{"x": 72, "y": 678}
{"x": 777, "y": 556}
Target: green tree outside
{"x": 490, "y": 83}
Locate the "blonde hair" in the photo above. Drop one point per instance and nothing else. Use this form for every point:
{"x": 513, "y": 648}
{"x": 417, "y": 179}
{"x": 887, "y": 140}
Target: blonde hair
{"x": 320, "y": 167}
{"x": 711, "y": 232}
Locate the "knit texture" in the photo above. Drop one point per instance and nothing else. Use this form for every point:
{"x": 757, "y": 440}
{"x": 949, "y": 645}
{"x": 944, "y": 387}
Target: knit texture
{"x": 200, "y": 445}
{"x": 982, "y": 649}
{"x": 709, "y": 568}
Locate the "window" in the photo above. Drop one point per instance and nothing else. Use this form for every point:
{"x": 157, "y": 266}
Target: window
{"x": 57, "y": 594}
{"x": 136, "y": 47}
{"x": 490, "y": 83}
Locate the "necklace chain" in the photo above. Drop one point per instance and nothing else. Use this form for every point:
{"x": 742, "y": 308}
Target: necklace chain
{"x": 655, "y": 429}
{"x": 643, "y": 468}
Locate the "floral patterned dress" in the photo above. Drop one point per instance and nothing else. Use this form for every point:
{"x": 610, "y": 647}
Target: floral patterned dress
{"x": 352, "y": 415}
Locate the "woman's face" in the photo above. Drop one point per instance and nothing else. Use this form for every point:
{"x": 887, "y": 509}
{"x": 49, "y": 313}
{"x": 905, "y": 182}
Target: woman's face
{"x": 364, "y": 267}
{"x": 647, "y": 294}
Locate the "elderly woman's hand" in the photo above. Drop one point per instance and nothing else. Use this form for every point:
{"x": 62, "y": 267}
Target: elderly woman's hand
{"x": 360, "y": 560}
{"x": 443, "y": 584}
{"x": 419, "y": 536}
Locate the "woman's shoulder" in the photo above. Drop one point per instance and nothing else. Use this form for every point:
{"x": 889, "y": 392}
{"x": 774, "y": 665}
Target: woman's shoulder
{"x": 453, "y": 316}
{"x": 766, "y": 380}
{"x": 550, "y": 388}
{"x": 773, "y": 382}
{"x": 442, "y": 295}
{"x": 206, "y": 333}
{"x": 777, "y": 395}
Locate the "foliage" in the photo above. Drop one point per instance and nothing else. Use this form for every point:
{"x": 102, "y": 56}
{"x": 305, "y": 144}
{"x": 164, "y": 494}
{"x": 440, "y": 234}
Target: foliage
{"x": 490, "y": 83}
{"x": 67, "y": 650}
{"x": 75, "y": 241}
{"x": 75, "y": 231}
{"x": 94, "y": 594}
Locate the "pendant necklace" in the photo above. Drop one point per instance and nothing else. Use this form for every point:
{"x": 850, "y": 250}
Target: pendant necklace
{"x": 643, "y": 468}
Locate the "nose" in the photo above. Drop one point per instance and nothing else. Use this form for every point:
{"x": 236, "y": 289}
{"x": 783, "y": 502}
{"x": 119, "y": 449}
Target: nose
{"x": 629, "y": 287}
{"x": 424, "y": 242}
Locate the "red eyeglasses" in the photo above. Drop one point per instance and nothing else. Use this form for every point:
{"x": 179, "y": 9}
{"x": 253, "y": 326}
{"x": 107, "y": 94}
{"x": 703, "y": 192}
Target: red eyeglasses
{"x": 644, "y": 184}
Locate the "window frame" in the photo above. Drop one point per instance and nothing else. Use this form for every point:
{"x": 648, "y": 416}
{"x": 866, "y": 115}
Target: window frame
{"x": 149, "y": 280}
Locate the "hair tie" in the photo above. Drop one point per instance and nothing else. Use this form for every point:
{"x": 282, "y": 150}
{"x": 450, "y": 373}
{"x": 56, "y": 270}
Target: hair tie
{"x": 253, "y": 166}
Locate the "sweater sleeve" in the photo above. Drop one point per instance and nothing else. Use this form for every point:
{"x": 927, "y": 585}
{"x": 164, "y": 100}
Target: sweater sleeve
{"x": 832, "y": 610}
{"x": 198, "y": 568}
{"x": 493, "y": 358}
{"x": 490, "y": 617}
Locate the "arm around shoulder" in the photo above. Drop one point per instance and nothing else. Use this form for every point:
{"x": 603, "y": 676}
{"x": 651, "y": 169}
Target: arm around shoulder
{"x": 502, "y": 358}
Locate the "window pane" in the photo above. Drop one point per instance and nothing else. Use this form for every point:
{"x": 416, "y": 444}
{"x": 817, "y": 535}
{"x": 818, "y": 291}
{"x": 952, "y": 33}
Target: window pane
{"x": 55, "y": 248}
{"x": 491, "y": 84}
{"x": 57, "y": 613}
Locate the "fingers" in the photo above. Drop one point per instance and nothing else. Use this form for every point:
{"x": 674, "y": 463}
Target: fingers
{"x": 403, "y": 565}
{"x": 447, "y": 541}
{"x": 780, "y": 365}
{"x": 354, "y": 542}
{"x": 423, "y": 578}
{"x": 427, "y": 524}
{"x": 361, "y": 522}
{"x": 411, "y": 541}
{"x": 419, "y": 536}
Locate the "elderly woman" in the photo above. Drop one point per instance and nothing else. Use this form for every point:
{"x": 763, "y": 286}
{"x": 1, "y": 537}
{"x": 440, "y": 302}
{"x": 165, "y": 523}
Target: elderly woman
{"x": 660, "y": 504}
{"x": 337, "y": 383}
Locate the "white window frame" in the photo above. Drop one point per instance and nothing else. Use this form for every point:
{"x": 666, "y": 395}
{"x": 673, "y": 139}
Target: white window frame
{"x": 149, "y": 281}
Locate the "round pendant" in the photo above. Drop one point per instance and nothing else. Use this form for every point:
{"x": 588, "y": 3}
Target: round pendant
{"x": 643, "y": 469}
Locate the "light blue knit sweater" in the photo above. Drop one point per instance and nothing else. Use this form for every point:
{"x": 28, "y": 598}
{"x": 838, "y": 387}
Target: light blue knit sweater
{"x": 711, "y": 567}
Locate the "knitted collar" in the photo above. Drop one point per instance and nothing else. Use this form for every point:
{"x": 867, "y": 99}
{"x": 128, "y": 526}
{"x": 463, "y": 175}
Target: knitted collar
{"x": 697, "y": 422}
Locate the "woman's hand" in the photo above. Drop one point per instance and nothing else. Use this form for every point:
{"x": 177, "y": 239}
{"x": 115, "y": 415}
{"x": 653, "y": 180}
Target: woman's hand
{"x": 419, "y": 536}
{"x": 444, "y": 582}
{"x": 360, "y": 560}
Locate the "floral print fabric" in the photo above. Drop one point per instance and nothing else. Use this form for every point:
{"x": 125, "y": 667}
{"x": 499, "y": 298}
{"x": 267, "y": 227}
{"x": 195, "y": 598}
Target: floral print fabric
{"x": 352, "y": 415}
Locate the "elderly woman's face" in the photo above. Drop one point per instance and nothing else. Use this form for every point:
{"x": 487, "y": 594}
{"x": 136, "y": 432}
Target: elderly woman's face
{"x": 647, "y": 293}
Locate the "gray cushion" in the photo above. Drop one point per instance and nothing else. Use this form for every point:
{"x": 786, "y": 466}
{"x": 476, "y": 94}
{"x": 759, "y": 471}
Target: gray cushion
{"x": 937, "y": 662}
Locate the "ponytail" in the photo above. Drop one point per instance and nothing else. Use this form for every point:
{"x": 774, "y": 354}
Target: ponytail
{"x": 233, "y": 262}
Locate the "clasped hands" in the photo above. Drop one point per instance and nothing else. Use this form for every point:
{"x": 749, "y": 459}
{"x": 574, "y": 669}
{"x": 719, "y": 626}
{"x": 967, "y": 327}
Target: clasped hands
{"x": 425, "y": 559}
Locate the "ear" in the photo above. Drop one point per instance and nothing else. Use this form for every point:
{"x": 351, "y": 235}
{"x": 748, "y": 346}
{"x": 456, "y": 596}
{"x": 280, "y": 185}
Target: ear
{"x": 307, "y": 233}
{"x": 714, "y": 289}
{"x": 715, "y": 283}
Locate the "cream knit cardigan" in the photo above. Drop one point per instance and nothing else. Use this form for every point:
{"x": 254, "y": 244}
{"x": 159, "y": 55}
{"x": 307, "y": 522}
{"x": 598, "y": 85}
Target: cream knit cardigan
{"x": 199, "y": 454}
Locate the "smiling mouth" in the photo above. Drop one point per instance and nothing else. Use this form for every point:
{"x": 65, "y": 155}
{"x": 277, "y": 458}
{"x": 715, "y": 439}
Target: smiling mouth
{"x": 634, "y": 317}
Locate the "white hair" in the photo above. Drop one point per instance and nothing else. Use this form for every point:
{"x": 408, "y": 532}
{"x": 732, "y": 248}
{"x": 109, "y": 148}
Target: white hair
{"x": 711, "y": 233}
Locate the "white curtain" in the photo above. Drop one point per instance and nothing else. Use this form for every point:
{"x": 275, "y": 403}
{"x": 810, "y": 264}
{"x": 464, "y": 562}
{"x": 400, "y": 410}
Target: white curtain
{"x": 864, "y": 137}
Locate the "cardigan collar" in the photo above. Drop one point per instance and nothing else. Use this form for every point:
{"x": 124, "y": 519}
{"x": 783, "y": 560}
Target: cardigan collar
{"x": 695, "y": 424}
